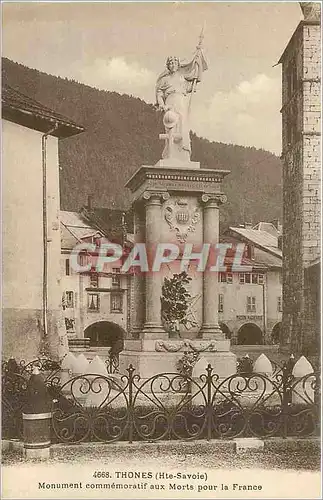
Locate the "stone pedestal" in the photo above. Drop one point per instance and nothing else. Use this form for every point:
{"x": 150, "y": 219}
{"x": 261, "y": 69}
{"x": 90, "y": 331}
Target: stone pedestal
{"x": 161, "y": 356}
{"x": 176, "y": 203}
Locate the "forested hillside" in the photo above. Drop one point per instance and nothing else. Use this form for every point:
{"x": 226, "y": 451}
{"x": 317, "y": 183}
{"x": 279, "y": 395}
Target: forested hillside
{"x": 122, "y": 134}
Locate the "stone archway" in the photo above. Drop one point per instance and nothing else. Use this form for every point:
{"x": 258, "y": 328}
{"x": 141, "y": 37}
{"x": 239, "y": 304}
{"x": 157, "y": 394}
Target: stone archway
{"x": 249, "y": 334}
{"x": 226, "y": 330}
{"x": 105, "y": 334}
{"x": 276, "y": 333}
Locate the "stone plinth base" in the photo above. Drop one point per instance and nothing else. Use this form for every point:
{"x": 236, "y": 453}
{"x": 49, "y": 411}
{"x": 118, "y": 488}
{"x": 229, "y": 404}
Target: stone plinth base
{"x": 150, "y": 357}
{"x": 37, "y": 454}
{"x": 185, "y": 177}
{"x": 168, "y": 163}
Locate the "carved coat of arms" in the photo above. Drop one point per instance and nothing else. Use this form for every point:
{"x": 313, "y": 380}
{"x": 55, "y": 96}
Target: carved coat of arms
{"x": 181, "y": 217}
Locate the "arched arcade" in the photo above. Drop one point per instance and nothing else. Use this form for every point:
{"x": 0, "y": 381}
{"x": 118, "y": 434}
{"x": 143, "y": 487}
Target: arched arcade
{"x": 105, "y": 334}
{"x": 249, "y": 334}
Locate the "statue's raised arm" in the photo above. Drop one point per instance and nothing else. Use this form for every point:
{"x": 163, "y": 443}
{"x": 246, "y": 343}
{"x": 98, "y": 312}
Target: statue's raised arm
{"x": 174, "y": 90}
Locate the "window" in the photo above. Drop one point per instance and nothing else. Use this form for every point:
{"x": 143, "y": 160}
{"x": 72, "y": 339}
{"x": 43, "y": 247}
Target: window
{"x": 225, "y": 278}
{"x": 94, "y": 280}
{"x": 116, "y": 277}
{"x": 253, "y": 278}
{"x": 221, "y": 303}
{"x": 70, "y": 325}
{"x": 279, "y": 304}
{"x": 251, "y": 304}
{"x": 67, "y": 267}
{"x": 69, "y": 300}
{"x": 93, "y": 302}
{"x": 116, "y": 302}
{"x": 83, "y": 259}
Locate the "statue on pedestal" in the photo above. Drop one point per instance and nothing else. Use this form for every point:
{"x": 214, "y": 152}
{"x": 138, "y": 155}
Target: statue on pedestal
{"x": 174, "y": 90}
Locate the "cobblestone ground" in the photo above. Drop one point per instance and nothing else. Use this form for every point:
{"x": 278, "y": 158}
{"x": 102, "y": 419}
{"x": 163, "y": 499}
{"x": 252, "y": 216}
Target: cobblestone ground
{"x": 289, "y": 460}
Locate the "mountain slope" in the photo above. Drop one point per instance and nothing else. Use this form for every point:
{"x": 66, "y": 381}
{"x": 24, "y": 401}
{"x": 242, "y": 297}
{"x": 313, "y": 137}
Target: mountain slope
{"x": 122, "y": 134}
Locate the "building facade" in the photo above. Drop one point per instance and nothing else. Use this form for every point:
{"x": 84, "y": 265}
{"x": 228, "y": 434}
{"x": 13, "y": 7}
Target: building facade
{"x": 96, "y": 305}
{"x": 301, "y": 155}
{"x": 32, "y": 318}
{"x": 250, "y": 303}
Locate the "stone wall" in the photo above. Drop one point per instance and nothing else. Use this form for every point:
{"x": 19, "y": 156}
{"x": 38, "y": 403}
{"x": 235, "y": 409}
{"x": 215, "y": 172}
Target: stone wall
{"x": 311, "y": 142}
{"x": 301, "y": 115}
{"x": 312, "y": 312}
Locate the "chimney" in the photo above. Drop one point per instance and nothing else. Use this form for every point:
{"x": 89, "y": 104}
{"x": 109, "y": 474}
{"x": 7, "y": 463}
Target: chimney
{"x": 89, "y": 202}
{"x": 280, "y": 242}
{"x": 275, "y": 223}
{"x": 248, "y": 225}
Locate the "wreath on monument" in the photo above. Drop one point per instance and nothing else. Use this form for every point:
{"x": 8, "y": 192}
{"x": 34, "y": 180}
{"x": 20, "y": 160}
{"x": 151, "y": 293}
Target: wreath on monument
{"x": 175, "y": 302}
{"x": 186, "y": 363}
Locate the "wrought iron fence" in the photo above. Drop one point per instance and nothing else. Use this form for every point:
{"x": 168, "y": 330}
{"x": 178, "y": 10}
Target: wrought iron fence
{"x": 173, "y": 406}
{"x": 112, "y": 407}
{"x": 112, "y": 364}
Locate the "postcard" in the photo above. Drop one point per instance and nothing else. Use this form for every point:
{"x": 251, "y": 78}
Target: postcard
{"x": 161, "y": 168}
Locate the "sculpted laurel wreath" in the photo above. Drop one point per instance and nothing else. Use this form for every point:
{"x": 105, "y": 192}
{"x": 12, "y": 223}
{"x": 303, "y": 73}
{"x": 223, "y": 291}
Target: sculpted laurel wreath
{"x": 186, "y": 363}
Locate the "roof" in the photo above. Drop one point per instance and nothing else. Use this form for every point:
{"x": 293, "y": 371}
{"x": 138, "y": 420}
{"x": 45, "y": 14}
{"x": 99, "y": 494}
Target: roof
{"x": 260, "y": 239}
{"x": 314, "y": 262}
{"x": 269, "y": 227}
{"x": 305, "y": 22}
{"x": 254, "y": 264}
{"x": 77, "y": 227}
{"x": 21, "y": 109}
{"x": 267, "y": 259}
{"x": 115, "y": 224}
{"x": 74, "y": 229}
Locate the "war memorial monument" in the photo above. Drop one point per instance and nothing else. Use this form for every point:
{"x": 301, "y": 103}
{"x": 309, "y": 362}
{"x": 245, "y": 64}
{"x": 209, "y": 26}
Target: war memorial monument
{"x": 177, "y": 202}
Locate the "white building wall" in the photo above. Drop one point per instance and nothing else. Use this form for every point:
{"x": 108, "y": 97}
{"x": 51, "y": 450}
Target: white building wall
{"x": 235, "y": 295}
{"x": 22, "y": 206}
{"x": 274, "y": 287}
{"x": 78, "y": 283}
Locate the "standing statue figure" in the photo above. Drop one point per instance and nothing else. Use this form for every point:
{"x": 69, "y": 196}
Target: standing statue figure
{"x": 174, "y": 90}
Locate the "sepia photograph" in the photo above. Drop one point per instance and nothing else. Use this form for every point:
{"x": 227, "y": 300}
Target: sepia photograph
{"x": 161, "y": 250}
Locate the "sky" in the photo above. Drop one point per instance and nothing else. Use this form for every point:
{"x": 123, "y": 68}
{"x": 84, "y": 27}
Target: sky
{"x": 122, "y": 47}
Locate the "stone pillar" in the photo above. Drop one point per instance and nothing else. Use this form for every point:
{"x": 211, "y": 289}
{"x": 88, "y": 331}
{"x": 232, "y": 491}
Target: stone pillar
{"x": 210, "y": 327}
{"x": 153, "y": 328}
{"x": 137, "y": 297}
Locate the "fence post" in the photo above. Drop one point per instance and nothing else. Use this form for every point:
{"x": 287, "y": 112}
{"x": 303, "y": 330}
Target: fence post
{"x": 37, "y": 418}
{"x": 209, "y": 371}
{"x": 130, "y": 371}
{"x": 287, "y": 395}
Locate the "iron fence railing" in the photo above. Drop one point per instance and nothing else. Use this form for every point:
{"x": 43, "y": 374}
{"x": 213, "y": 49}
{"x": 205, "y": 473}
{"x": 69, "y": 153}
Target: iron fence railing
{"x": 113, "y": 407}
